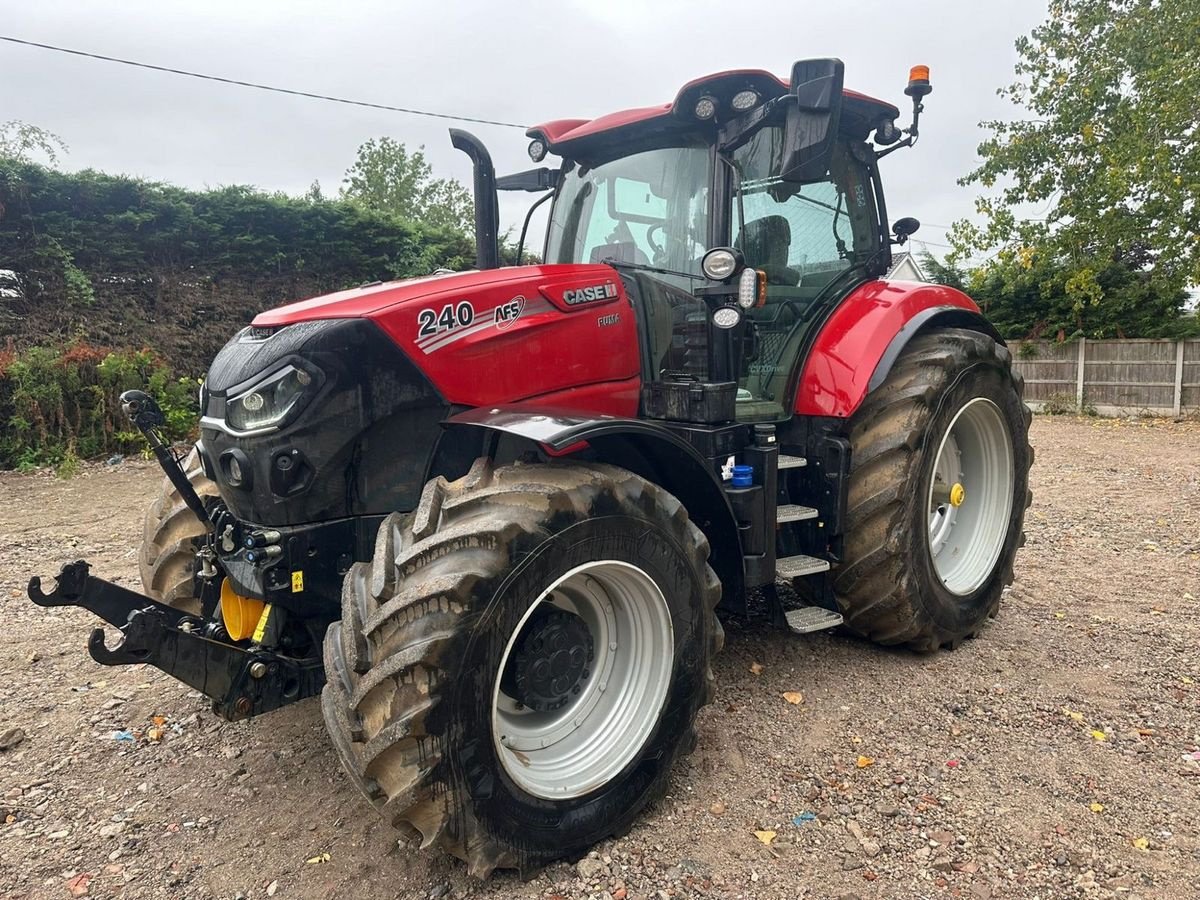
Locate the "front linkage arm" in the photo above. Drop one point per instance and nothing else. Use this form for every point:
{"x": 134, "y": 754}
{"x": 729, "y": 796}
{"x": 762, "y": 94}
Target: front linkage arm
{"x": 241, "y": 682}
{"x": 146, "y": 415}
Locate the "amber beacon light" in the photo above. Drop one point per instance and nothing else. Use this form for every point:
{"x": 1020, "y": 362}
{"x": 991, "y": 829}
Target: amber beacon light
{"x": 918, "y": 82}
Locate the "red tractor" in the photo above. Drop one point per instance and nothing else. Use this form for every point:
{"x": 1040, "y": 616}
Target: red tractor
{"x": 492, "y": 516}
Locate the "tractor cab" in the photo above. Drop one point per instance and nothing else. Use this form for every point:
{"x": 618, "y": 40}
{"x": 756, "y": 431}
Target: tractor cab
{"x": 778, "y": 175}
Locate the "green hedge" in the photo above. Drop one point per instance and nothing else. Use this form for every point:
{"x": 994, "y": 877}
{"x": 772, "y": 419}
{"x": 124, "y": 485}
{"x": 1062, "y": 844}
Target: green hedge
{"x": 58, "y": 406}
{"x": 105, "y": 225}
{"x": 106, "y": 261}
{"x": 125, "y": 263}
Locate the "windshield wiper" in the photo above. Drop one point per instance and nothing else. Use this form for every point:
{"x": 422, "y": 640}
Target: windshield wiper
{"x": 642, "y": 267}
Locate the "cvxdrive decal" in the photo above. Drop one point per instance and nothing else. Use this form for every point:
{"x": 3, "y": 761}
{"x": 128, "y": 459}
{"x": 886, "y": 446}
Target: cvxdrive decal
{"x": 433, "y": 334}
{"x": 590, "y": 294}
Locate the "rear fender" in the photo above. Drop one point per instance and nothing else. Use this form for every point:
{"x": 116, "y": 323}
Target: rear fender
{"x": 858, "y": 346}
{"x": 643, "y": 447}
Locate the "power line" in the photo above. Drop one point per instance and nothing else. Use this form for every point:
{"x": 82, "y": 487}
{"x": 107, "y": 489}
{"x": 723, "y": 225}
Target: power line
{"x": 260, "y": 87}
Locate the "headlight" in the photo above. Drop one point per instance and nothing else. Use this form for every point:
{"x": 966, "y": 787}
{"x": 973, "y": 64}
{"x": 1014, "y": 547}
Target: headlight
{"x": 271, "y": 401}
{"x": 719, "y": 263}
{"x": 727, "y": 316}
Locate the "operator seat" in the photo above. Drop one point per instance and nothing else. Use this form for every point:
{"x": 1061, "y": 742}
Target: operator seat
{"x": 621, "y": 251}
{"x": 768, "y": 243}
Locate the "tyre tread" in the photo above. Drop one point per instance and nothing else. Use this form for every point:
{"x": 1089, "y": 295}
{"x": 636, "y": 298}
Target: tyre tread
{"x": 873, "y": 584}
{"x": 407, "y": 604}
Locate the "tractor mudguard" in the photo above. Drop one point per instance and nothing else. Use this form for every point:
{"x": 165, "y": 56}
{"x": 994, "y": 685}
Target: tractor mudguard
{"x": 860, "y": 342}
{"x": 647, "y": 448}
{"x": 558, "y": 431}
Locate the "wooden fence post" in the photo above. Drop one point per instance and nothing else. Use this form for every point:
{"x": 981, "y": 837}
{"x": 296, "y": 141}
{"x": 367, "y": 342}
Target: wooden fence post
{"x": 1079, "y": 374}
{"x": 1177, "y": 404}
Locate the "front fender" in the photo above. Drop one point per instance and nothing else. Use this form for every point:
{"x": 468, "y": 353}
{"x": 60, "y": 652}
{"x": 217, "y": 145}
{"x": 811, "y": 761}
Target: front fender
{"x": 856, "y": 349}
{"x": 644, "y": 447}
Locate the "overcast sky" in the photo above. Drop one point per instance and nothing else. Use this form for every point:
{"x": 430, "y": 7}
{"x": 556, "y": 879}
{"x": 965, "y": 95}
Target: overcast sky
{"x": 521, "y": 62}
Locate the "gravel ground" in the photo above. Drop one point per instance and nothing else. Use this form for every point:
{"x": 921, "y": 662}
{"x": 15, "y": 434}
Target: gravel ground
{"x": 1055, "y": 756}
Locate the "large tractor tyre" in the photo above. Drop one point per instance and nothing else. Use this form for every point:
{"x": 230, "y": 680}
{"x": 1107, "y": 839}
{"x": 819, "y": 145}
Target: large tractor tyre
{"x": 520, "y": 664}
{"x": 171, "y": 535}
{"x": 939, "y": 484}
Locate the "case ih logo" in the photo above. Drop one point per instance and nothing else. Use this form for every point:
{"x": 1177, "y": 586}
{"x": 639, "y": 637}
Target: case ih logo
{"x": 590, "y": 294}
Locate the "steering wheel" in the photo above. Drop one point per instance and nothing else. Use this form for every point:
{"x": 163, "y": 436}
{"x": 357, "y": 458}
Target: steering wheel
{"x": 654, "y": 245}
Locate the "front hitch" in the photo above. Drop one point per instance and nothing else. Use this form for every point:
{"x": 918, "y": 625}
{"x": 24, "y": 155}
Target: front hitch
{"x": 241, "y": 682}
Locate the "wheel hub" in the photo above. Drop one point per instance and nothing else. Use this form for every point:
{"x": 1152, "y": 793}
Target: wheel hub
{"x": 583, "y": 680}
{"x": 551, "y": 662}
{"x": 970, "y": 496}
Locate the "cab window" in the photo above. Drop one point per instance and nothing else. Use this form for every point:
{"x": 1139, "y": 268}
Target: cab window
{"x": 803, "y": 236}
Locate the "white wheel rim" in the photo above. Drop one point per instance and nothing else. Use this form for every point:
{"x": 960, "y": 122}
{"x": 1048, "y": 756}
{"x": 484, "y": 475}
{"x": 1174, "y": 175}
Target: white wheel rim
{"x": 580, "y": 747}
{"x": 970, "y": 496}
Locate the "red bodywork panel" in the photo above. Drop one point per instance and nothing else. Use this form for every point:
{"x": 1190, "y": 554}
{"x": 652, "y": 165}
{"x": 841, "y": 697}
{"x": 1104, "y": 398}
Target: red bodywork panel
{"x": 563, "y": 333}
{"x": 838, "y": 370}
{"x": 566, "y": 335}
{"x": 572, "y": 137}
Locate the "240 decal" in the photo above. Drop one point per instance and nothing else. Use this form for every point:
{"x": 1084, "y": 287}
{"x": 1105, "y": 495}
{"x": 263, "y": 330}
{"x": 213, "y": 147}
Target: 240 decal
{"x": 453, "y": 315}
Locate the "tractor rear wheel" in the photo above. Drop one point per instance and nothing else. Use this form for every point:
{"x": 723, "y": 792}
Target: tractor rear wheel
{"x": 938, "y": 489}
{"x": 171, "y": 535}
{"x": 520, "y": 664}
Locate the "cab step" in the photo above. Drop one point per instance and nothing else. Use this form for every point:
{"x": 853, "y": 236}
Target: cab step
{"x": 807, "y": 619}
{"x": 791, "y": 462}
{"x": 795, "y": 566}
{"x": 791, "y": 512}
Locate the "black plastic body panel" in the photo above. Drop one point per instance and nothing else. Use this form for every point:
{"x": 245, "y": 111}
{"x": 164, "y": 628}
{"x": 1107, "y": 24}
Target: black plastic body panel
{"x": 763, "y": 456}
{"x": 936, "y": 317}
{"x": 360, "y": 446}
{"x": 306, "y": 578}
{"x": 690, "y": 401}
{"x": 824, "y": 442}
{"x": 683, "y": 459}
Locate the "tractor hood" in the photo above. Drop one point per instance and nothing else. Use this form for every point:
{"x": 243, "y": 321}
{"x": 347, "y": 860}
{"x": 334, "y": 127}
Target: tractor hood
{"x": 375, "y": 297}
{"x": 498, "y": 335}
{"x": 331, "y": 406}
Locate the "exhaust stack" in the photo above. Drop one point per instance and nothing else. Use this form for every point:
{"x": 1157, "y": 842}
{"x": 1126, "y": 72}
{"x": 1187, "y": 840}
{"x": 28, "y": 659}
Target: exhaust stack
{"x": 487, "y": 211}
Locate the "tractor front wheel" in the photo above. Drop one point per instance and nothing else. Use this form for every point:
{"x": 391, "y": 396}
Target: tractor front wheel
{"x": 938, "y": 489}
{"x": 520, "y": 664}
{"x": 171, "y": 535}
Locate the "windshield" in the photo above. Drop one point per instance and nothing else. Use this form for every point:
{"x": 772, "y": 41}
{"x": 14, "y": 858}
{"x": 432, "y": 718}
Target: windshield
{"x": 803, "y": 236}
{"x": 650, "y": 208}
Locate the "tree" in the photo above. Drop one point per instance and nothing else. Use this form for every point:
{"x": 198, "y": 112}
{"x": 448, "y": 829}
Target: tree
{"x": 1029, "y": 297}
{"x": 20, "y": 142}
{"x": 1109, "y": 157}
{"x": 389, "y": 178}
{"x": 314, "y": 194}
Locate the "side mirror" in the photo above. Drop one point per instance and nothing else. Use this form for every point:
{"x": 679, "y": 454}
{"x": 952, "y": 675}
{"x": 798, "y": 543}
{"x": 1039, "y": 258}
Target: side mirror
{"x": 905, "y": 228}
{"x": 813, "y": 116}
{"x": 542, "y": 179}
